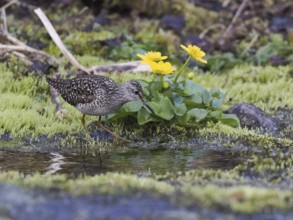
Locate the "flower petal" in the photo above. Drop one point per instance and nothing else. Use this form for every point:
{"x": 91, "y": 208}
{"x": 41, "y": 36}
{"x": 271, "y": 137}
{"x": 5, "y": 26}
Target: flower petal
{"x": 195, "y": 52}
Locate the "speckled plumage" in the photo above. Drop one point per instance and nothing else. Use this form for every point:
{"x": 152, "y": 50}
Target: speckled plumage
{"x": 96, "y": 95}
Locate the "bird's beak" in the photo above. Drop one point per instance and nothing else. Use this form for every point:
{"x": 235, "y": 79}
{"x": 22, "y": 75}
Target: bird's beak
{"x": 146, "y": 104}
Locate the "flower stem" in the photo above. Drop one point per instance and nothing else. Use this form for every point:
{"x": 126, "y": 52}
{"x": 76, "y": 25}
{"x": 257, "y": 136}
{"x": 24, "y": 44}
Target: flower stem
{"x": 162, "y": 81}
{"x": 161, "y": 78}
{"x": 181, "y": 69}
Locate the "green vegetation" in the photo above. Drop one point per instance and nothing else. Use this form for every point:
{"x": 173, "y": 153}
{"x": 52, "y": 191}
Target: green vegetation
{"x": 27, "y": 108}
{"x": 176, "y": 98}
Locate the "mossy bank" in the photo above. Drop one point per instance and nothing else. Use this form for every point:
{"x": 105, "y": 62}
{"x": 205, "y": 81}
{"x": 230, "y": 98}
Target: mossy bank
{"x": 28, "y": 110}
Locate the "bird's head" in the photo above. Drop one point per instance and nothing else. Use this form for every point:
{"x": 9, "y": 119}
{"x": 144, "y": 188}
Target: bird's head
{"x": 134, "y": 92}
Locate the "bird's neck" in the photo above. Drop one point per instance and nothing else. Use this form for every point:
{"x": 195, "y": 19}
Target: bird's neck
{"x": 125, "y": 92}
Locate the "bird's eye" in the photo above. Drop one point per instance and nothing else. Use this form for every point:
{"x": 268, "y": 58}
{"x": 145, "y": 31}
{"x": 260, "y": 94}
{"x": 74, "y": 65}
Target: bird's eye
{"x": 136, "y": 92}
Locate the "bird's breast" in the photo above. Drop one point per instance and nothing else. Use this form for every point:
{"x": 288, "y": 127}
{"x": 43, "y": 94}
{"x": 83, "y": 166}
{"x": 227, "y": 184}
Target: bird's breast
{"x": 98, "y": 108}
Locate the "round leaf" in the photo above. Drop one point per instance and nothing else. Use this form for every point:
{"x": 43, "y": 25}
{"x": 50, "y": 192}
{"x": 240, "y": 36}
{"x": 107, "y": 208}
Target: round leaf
{"x": 163, "y": 108}
{"x": 180, "y": 109}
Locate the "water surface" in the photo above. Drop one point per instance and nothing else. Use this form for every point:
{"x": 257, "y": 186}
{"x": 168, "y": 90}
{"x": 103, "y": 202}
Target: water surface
{"x": 137, "y": 161}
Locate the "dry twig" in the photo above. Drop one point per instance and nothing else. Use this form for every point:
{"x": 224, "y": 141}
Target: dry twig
{"x": 99, "y": 70}
{"x": 8, "y": 4}
{"x": 236, "y": 16}
{"x": 17, "y": 44}
{"x": 24, "y": 48}
{"x": 52, "y": 32}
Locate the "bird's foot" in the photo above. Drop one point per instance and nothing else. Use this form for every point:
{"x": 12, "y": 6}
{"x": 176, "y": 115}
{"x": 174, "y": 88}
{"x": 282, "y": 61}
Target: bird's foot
{"x": 117, "y": 137}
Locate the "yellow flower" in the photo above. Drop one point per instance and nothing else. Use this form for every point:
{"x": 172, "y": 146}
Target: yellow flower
{"x": 162, "y": 67}
{"x": 151, "y": 56}
{"x": 195, "y": 52}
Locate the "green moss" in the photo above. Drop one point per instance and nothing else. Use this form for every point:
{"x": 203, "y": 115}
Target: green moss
{"x": 11, "y": 144}
{"x": 240, "y": 199}
{"x": 244, "y": 199}
{"x": 110, "y": 183}
{"x": 266, "y": 87}
{"x": 87, "y": 42}
{"x": 24, "y": 112}
{"x": 244, "y": 136}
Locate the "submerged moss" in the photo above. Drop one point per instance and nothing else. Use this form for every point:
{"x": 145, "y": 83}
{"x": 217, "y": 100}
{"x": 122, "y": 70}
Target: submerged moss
{"x": 240, "y": 199}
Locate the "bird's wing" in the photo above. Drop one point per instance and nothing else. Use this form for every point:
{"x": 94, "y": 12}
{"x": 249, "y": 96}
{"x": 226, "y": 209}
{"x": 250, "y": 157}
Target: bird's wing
{"x": 79, "y": 90}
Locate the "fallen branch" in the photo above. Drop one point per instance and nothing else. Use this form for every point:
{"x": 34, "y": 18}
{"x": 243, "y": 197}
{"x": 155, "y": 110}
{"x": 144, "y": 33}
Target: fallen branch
{"x": 55, "y": 37}
{"x": 25, "y": 48}
{"x": 18, "y": 45}
{"x": 99, "y": 70}
{"x": 133, "y": 66}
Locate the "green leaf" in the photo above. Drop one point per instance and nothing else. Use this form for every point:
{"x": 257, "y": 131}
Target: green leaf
{"x": 216, "y": 114}
{"x": 119, "y": 115}
{"x": 163, "y": 108}
{"x": 193, "y": 100}
{"x": 133, "y": 106}
{"x": 271, "y": 49}
{"x": 144, "y": 117}
{"x": 126, "y": 110}
{"x": 177, "y": 99}
{"x": 192, "y": 116}
{"x": 184, "y": 119}
{"x": 187, "y": 90}
{"x": 155, "y": 88}
{"x": 230, "y": 119}
{"x": 179, "y": 88}
{"x": 180, "y": 109}
{"x": 145, "y": 87}
{"x": 206, "y": 98}
{"x": 193, "y": 86}
{"x": 222, "y": 61}
{"x": 216, "y": 103}
{"x": 217, "y": 98}
{"x": 198, "y": 114}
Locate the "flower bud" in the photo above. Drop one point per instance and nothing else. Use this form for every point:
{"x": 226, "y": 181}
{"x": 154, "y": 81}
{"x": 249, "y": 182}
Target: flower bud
{"x": 165, "y": 85}
{"x": 190, "y": 75}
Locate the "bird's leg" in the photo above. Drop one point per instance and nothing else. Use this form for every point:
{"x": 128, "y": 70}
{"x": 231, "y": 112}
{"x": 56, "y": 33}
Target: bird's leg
{"x": 106, "y": 120}
{"x": 117, "y": 137}
{"x": 83, "y": 123}
{"x": 87, "y": 133}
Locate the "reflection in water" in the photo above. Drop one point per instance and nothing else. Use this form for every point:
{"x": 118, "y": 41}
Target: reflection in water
{"x": 138, "y": 161}
{"x": 57, "y": 161}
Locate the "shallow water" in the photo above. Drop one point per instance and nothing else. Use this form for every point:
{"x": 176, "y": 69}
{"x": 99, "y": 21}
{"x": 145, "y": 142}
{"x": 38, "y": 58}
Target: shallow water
{"x": 136, "y": 161}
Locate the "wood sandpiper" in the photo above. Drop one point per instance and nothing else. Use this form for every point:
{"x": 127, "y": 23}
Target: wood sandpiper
{"x": 97, "y": 95}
